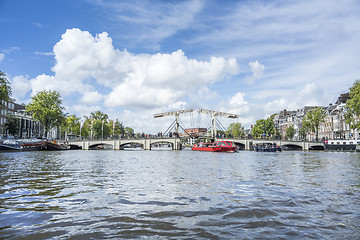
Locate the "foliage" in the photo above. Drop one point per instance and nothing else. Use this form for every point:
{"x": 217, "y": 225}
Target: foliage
{"x": 12, "y": 125}
{"x": 71, "y": 125}
{"x": 119, "y": 128}
{"x": 264, "y": 126}
{"x": 353, "y": 105}
{"x": 351, "y": 120}
{"x": 129, "y": 131}
{"x": 290, "y": 132}
{"x": 100, "y": 125}
{"x": 98, "y": 115}
{"x": 354, "y": 102}
{"x": 46, "y": 107}
{"x": 5, "y": 89}
{"x": 235, "y": 130}
{"x": 313, "y": 118}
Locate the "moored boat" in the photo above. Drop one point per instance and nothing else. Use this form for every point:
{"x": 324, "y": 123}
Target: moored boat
{"x": 53, "y": 146}
{"x": 31, "y": 144}
{"x": 10, "y": 145}
{"x": 218, "y": 146}
{"x": 342, "y": 145}
{"x": 267, "y": 147}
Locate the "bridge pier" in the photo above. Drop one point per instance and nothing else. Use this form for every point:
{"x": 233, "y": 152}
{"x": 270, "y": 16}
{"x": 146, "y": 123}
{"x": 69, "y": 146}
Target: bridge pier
{"x": 85, "y": 145}
{"x": 116, "y": 145}
{"x": 147, "y": 144}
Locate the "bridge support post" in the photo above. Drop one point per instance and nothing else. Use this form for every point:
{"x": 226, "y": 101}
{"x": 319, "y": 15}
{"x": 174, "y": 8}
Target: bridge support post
{"x": 248, "y": 145}
{"x": 147, "y": 144}
{"x": 177, "y": 144}
{"x": 116, "y": 145}
{"x": 85, "y": 145}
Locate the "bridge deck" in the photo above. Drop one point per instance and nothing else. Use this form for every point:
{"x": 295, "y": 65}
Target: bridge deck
{"x": 146, "y": 143}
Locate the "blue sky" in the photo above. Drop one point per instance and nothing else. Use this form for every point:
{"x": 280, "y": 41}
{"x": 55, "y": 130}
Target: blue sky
{"x": 132, "y": 59}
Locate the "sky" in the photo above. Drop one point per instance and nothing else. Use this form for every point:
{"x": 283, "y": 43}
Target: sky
{"x": 132, "y": 59}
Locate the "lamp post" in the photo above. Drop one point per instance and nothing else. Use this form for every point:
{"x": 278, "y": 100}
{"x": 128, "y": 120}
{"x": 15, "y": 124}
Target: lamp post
{"x": 102, "y": 130}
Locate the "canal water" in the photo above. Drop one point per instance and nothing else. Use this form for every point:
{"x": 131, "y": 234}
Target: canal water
{"x": 179, "y": 195}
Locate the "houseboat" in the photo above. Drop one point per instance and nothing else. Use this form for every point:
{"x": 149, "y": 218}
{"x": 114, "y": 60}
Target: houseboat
{"x": 218, "y": 146}
{"x": 342, "y": 145}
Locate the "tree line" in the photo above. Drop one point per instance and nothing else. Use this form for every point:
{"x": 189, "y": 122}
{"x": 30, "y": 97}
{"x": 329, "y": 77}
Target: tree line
{"x": 46, "y": 107}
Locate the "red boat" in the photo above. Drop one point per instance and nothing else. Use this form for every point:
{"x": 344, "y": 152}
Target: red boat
{"x": 218, "y": 146}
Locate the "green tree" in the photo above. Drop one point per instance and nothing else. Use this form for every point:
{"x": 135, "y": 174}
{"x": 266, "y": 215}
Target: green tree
{"x": 46, "y": 107}
{"x": 290, "y": 132}
{"x": 313, "y": 118}
{"x": 351, "y": 120}
{"x": 5, "y": 89}
{"x": 119, "y": 127}
{"x": 353, "y": 106}
{"x": 235, "y": 130}
{"x": 71, "y": 125}
{"x": 101, "y": 128}
{"x": 12, "y": 125}
{"x": 259, "y": 127}
{"x": 264, "y": 126}
{"x": 129, "y": 131}
{"x": 354, "y": 102}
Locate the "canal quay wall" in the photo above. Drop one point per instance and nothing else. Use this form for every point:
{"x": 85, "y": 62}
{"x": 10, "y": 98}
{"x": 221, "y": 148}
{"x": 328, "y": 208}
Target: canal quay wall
{"x": 244, "y": 144}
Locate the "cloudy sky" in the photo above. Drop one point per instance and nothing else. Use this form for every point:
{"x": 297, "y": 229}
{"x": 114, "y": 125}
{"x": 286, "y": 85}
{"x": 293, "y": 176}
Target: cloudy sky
{"x": 131, "y": 59}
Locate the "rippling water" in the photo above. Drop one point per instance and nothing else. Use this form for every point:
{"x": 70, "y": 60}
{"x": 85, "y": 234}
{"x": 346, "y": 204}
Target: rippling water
{"x": 179, "y": 195}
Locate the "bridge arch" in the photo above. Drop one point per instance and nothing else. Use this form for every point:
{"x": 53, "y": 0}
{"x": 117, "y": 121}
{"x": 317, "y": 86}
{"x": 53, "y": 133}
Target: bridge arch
{"x": 101, "y": 146}
{"x": 134, "y": 144}
{"x": 241, "y": 146}
{"x": 289, "y": 146}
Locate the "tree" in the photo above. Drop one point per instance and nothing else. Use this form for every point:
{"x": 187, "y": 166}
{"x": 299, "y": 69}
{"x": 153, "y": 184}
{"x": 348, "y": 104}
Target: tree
{"x": 71, "y": 125}
{"x": 46, "y": 107}
{"x": 354, "y": 102}
{"x": 12, "y": 125}
{"x": 303, "y": 131}
{"x": 119, "y": 128}
{"x": 353, "y": 106}
{"x": 101, "y": 127}
{"x": 129, "y": 131}
{"x": 235, "y": 130}
{"x": 5, "y": 89}
{"x": 290, "y": 132}
{"x": 313, "y": 118}
{"x": 263, "y": 126}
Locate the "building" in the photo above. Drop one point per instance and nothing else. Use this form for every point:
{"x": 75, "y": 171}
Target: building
{"x": 28, "y": 127}
{"x": 194, "y": 132}
{"x": 8, "y": 108}
{"x": 334, "y": 125}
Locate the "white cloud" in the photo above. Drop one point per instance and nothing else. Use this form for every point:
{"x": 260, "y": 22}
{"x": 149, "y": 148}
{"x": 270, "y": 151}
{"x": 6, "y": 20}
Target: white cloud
{"x": 82, "y": 110}
{"x": 238, "y": 105}
{"x": 45, "y": 53}
{"x": 20, "y": 87}
{"x": 238, "y": 100}
{"x": 91, "y": 97}
{"x": 2, "y": 56}
{"x": 142, "y": 80}
{"x": 11, "y": 49}
{"x": 311, "y": 95}
{"x": 257, "y": 71}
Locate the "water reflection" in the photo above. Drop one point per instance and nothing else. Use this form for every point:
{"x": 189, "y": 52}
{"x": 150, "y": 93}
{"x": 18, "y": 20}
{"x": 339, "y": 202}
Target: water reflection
{"x": 179, "y": 194}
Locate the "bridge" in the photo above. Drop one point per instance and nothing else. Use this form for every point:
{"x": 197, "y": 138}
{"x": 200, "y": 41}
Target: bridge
{"x": 175, "y": 143}
{"x": 247, "y": 144}
{"x": 119, "y": 144}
